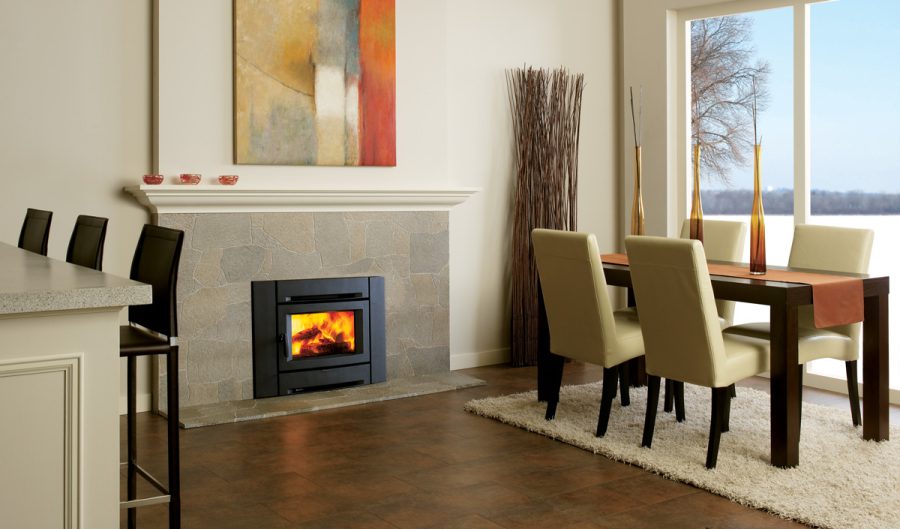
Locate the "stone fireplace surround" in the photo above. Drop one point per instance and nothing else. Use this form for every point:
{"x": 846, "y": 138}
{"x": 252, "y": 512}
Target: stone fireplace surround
{"x": 234, "y": 235}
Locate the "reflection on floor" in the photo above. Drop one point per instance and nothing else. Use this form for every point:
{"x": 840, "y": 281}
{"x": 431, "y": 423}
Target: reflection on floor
{"x": 424, "y": 463}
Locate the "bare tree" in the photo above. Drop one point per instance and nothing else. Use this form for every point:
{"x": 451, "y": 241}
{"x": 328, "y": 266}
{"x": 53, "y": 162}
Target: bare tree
{"x": 724, "y": 81}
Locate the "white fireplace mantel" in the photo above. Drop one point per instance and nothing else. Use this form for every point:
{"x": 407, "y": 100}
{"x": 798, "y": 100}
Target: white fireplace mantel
{"x": 175, "y": 198}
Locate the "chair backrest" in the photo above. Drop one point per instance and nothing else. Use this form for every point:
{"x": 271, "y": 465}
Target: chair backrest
{"x": 676, "y": 305}
{"x": 833, "y": 249}
{"x": 86, "y": 242}
{"x": 156, "y": 263}
{"x": 579, "y": 313}
{"x": 723, "y": 240}
{"x": 35, "y": 231}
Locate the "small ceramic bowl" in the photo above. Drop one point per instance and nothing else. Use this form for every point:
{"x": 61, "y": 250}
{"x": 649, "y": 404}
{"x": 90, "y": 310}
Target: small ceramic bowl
{"x": 153, "y": 179}
{"x": 192, "y": 179}
{"x": 228, "y": 179}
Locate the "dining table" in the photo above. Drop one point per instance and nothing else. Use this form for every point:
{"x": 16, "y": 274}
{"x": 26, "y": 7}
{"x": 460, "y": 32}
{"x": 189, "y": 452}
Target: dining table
{"x": 784, "y": 300}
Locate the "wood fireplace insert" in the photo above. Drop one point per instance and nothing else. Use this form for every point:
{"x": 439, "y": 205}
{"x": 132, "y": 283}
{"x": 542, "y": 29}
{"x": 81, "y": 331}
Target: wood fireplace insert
{"x": 313, "y": 334}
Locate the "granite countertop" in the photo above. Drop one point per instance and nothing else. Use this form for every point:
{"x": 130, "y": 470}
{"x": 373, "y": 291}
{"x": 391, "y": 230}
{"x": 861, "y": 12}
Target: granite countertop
{"x": 33, "y": 283}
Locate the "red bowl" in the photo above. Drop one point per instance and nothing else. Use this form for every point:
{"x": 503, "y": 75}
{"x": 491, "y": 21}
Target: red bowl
{"x": 192, "y": 179}
{"x": 228, "y": 179}
{"x": 153, "y": 179}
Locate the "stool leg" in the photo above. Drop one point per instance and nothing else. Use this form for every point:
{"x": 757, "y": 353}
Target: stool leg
{"x": 132, "y": 439}
{"x": 174, "y": 445}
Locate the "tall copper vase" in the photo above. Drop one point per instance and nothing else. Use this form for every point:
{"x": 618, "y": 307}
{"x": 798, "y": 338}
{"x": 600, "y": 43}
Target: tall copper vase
{"x": 637, "y": 204}
{"x": 757, "y": 221}
{"x": 696, "y": 205}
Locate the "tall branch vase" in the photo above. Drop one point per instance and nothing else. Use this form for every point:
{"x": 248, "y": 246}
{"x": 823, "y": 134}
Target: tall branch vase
{"x": 546, "y": 116}
{"x": 696, "y": 205}
{"x": 637, "y": 204}
{"x": 757, "y": 220}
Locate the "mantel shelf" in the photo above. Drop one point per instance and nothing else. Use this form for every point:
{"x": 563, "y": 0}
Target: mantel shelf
{"x": 201, "y": 198}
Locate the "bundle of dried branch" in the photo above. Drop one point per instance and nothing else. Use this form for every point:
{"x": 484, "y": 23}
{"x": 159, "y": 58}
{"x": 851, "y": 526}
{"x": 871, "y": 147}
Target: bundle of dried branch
{"x": 546, "y": 115}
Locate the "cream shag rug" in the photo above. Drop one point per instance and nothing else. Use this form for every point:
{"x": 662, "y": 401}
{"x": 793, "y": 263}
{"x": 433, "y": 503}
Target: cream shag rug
{"x": 842, "y": 481}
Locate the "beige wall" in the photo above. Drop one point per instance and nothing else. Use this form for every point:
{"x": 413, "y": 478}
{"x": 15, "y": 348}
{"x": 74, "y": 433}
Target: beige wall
{"x": 649, "y": 60}
{"x": 484, "y": 39}
{"x": 75, "y": 117}
{"x": 452, "y": 126}
{"x": 195, "y": 100}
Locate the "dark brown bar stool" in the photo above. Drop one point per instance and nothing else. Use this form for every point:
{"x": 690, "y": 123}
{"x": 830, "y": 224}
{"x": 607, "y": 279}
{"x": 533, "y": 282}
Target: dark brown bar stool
{"x": 86, "y": 243}
{"x": 35, "y": 231}
{"x": 152, "y": 331}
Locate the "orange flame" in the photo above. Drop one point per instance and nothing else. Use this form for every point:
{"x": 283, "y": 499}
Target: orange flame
{"x": 322, "y": 333}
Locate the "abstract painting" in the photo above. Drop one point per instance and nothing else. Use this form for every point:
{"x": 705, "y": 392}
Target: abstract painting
{"x": 314, "y": 82}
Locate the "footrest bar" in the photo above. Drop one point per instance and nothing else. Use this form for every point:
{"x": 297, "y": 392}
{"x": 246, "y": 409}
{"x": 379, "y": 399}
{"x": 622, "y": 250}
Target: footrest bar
{"x": 143, "y": 502}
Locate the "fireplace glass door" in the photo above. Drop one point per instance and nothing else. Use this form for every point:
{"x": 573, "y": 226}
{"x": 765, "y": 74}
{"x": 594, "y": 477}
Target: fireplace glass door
{"x": 316, "y": 335}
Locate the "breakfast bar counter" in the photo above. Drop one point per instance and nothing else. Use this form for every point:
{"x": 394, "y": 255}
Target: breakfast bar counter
{"x": 59, "y": 391}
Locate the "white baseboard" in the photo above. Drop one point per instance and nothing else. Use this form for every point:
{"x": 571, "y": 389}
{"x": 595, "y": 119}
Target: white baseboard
{"x": 840, "y": 386}
{"x": 143, "y": 403}
{"x": 478, "y": 359}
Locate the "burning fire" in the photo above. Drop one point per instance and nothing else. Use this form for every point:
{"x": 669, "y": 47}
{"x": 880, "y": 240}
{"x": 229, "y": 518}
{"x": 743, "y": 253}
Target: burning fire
{"x": 322, "y": 333}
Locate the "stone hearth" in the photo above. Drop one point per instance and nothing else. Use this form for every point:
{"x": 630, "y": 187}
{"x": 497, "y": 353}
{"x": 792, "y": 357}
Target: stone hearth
{"x": 238, "y": 234}
{"x": 223, "y": 252}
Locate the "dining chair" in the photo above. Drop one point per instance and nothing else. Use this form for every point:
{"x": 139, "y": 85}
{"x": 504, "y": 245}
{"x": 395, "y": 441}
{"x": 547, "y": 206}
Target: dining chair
{"x": 583, "y": 325}
{"x": 831, "y": 249}
{"x": 682, "y": 336}
{"x": 35, "y": 231}
{"x": 86, "y": 242}
{"x": 153, "y": 330}
{"x": 723, "y": 240}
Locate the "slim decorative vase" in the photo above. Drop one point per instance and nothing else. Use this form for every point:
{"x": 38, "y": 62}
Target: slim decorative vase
{"x": 757, "y": 221}
{"x": 696, "y": 205}
{"x": 637, "y": 205}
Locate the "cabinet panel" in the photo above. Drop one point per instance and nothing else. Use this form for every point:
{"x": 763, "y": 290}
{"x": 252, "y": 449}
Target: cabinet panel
{"x": 40, "y": 460}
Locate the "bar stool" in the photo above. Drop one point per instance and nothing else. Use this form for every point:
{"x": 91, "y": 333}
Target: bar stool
{"x": 86, "y": 242}
{"x": 152, "y": 331}
{"x": 35, "y": 231}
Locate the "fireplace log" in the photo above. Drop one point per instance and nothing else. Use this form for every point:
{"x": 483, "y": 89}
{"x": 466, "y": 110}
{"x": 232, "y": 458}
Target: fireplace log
{"x": 326, "y": 349}
{"x": 307, "y": 334}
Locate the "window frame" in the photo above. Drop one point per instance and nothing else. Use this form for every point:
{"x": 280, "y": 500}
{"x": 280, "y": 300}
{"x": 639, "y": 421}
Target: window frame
{"x": 801, "y": 94}
{"x": 679, "y": 99}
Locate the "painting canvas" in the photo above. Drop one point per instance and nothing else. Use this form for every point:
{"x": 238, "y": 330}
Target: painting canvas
{"x": 314, "y": 82}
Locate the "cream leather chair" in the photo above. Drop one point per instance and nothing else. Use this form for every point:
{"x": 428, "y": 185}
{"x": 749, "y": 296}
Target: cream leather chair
{"x": 723, "y": 240}
{"x": 583, "y": 325}
{"x": 682, "y": 336}
{"x": 837, "y": 250}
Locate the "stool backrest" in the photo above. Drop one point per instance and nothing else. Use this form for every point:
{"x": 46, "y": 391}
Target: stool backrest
{"x": 156, "y": 263}
{"x": 86, "y": 243}
{"x": 35, "y": 231}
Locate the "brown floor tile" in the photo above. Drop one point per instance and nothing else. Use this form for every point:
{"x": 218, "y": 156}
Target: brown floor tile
{"x": 350, "y": 520}
{"x": 423, "y": 463}
{"x": 472, "y": 521}
{"x": 650, "y": 488}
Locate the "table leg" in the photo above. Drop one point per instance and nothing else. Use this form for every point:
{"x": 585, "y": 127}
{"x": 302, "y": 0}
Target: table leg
{"x": 875, "y": 369}
{"x": 785, "y": 389}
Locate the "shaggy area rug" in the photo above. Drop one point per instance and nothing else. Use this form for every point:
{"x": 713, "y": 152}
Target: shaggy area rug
{"x": 842, "y": 481}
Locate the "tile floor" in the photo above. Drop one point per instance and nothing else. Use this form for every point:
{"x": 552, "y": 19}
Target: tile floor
{"x": 424, "y": 463}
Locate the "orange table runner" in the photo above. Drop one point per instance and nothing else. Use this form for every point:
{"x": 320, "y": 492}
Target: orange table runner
{"x": 837, "y": 300}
